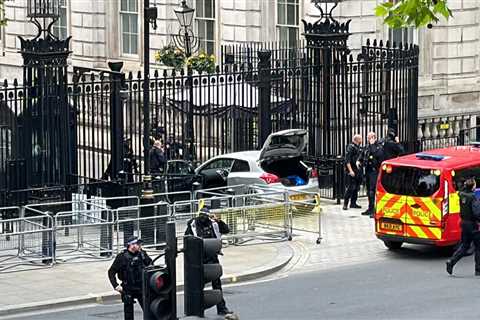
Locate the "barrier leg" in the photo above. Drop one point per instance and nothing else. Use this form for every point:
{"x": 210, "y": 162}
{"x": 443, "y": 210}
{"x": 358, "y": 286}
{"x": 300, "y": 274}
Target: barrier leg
{"x": 106, "y": 235}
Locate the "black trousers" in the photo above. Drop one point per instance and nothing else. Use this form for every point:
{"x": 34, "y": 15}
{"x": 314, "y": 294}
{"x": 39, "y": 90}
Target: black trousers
{"x": 352, "y": 185}
{"x": 470, "y": 234}
{"x": 371, "y": 184}
{"x": 217, "y": 285}
{"x": 128, "y": 302}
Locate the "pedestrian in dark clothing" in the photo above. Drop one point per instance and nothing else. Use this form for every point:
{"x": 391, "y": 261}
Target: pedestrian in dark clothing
{"x": 130, "y": 165}
{"x": 128, "y": 267}
{"x": 469, "y": 225}
{"x": 392, "y": 147}
{"x": 371, "y": 159}
{"x": 157, "y": 158}
{"x": 209, "y": 226}
{"x": 353, "y": 174}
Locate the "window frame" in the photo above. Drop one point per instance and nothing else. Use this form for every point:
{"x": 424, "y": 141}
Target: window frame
{"x": 121, "y": 14}
{"x": 279, "y": 26}
{"x": 207, "y": 166}
{"x": 56, "y": 27}
{"x": 243, "y": 163}
{"x": 205, "y": 20}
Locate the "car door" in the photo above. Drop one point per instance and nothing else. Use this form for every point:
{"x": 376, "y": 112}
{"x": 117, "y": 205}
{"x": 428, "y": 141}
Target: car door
{"x": 215, "y": 173}
{"x": 241, "y": 173}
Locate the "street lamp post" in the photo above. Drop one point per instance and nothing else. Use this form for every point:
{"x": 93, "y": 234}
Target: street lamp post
{"x": 149, "y": 17}
{"x": 186, "y": 40}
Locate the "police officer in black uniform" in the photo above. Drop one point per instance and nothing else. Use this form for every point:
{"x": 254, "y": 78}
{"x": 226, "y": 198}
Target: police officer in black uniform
{"x": 207, "y": 226}
{"x": 128, "y": 267}
{"x": 392, "y": 147}
{"x": 371, "y": 160}
{"x": 353, "y": 174}
{"x": 469, "y": 225}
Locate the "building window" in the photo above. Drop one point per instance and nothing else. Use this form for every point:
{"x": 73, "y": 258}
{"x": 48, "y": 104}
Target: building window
{"x": 60, "y": 27}
{"x": 404, "y": 35}
{"x": 288, "y": 18}
{"x": 129, "y": 26}
{"x": 205, "y": 23}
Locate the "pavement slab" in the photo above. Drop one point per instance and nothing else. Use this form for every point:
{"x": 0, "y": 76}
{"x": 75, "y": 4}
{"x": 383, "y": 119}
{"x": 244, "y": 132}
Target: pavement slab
{"x": 87, "y": 282}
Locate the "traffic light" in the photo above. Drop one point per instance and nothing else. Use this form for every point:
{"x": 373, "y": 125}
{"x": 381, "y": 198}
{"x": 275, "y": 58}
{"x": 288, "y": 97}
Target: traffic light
{"x": 200, "y": 267}
{"x": 157, "y": 294}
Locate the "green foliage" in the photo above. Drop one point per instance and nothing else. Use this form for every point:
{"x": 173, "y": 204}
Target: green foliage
{"x": 176, "y": 58}
{"x": 3, "y": 20}
{"x": 171, "y": 57}
{"x": 413, "y": 13}
{"x": 202, "y": 63}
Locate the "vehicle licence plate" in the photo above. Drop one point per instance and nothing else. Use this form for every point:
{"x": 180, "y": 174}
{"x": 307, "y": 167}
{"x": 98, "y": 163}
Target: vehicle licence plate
{"x": 389, "y": 226}
{"x": 298, "y": 197}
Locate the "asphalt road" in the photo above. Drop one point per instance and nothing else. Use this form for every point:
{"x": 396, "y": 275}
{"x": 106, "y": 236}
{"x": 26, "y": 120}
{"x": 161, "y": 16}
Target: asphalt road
{"x": 410, "y": 284}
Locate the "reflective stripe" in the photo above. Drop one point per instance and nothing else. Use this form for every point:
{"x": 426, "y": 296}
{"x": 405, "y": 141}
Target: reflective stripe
{"x": 454, "y": 200}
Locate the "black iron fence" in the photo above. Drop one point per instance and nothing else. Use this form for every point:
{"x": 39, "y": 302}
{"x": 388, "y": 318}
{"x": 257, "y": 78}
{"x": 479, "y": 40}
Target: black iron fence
{"x": 98, "y": 135}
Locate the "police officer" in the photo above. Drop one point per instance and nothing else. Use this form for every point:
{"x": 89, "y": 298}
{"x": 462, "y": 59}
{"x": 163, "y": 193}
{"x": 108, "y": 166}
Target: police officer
{"x": 128, "y": 267}
{"x": 392, "y": 147}
{"x": 353, "y": 174}
{"x": 209, "y": 226}
{"x": 469, "y": 226}
{"x": 371, "y": 160}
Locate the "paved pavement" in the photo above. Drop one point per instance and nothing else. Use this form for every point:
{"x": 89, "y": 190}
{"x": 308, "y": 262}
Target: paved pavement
{"x": 74, "y": 283}
{"x": 347, "y": 239}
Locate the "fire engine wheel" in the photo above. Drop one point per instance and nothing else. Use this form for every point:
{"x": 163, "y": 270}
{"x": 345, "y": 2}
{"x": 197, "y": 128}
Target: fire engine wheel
{"x": 393, "y": 245}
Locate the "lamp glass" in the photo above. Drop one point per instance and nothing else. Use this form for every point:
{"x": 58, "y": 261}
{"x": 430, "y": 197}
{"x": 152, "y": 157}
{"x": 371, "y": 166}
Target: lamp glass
{"x": 184, "y": 15}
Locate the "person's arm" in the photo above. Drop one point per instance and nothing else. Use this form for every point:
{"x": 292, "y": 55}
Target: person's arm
{"x": 146, "y": 258}
{"x": 114, "y": 270}
{"x": 188, "y": 231}
{"x": 222, "y": 226}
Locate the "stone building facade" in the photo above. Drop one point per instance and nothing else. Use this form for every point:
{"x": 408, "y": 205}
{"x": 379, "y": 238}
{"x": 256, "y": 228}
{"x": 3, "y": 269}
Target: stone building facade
{"x": 106, "y": 30}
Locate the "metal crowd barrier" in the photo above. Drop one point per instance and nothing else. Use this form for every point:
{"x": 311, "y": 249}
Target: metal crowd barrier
{"x": 43, "y": 234}
{"x": 25, "y": 242}
{"x": 147, "y": 221}
{"x": 304, "y": 209}
{"x": 88, "y": 236}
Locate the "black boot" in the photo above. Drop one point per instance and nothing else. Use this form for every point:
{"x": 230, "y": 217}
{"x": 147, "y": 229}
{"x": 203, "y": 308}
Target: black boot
{"x": 450, "y": 265}
{"x": 345, "y": 204}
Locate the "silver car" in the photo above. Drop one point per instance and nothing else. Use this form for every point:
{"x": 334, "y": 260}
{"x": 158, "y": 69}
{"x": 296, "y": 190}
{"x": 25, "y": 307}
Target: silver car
{"x": 278, "y": 164}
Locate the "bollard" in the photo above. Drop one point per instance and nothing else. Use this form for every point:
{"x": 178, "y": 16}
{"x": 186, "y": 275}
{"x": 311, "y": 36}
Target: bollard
{"x": 147, "y": 229}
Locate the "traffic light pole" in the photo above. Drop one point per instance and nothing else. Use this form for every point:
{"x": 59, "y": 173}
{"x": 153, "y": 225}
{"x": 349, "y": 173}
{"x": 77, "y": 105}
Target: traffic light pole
{"x": 159, "y": 283}
{"x": 170, "y": 261}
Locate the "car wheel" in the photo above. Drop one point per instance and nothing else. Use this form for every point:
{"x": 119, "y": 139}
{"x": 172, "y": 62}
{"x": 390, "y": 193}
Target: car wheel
{"x": 393, "y": 245}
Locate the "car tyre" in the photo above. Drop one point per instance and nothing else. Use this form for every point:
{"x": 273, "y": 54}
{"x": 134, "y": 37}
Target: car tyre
{"x": 393, "y": 245}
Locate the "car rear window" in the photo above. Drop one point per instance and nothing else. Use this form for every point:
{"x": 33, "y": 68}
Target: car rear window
{"x": 409, "y": 181}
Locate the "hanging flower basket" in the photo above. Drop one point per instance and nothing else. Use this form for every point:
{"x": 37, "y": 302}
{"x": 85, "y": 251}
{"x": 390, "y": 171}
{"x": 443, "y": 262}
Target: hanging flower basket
{"x": 171, "y": 57}
{"x": 202, "y": 63}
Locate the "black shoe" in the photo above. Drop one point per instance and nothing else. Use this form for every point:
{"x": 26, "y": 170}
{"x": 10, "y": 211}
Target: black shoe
{"x": 355, "y": 206}
{"x": 450, "y": 267}
{"x": 366, "y": 213}
{"x": 345, "y": 207}
{"x": 224, "y": 312}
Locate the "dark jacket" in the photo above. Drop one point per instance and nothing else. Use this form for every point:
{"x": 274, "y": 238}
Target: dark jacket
{"x": 392, "y": 149}
{"x": 127, "y": 267}
{"x": 157, "y": 161}
{"x": 372, "y": 157}
{"x": 466, "y": 206}
{"x": 351, "y": 156}
{"x": 204, "y": 227}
